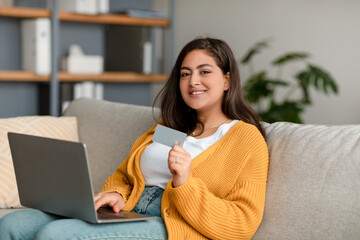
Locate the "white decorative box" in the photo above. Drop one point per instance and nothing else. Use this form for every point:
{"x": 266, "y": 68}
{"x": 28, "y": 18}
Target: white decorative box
{"x": 91, "y": 7}
{"x": 78, "y": 62}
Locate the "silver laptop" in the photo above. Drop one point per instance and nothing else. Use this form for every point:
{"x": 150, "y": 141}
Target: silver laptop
{"x": 53, "y": 176}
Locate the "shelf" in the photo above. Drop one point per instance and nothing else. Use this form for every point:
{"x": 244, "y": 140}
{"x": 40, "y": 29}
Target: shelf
{"x": 21, "y": 12}
{"x": 24, "y": 76}
{"x": 122, "y": 19}
{"x": 113, "y": 77}
{"x": 107, "y": 77}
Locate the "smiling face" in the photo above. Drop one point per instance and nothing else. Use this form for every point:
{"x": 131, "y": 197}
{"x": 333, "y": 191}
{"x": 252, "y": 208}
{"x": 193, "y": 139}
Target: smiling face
{"x": 202, "y": 82}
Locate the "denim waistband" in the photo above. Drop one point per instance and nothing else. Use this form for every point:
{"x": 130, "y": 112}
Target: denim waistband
{"x": 150, "y": 202}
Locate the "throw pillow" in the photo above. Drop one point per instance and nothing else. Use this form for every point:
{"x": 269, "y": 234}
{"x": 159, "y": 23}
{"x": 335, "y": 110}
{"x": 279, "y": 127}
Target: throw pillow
{"x": 61, "y": 128}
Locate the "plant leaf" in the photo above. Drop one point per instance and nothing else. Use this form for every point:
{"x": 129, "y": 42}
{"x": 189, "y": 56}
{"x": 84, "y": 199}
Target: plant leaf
{"x": 290, "y": 57}
{"x": 254, "y": 50}
{"x": 320, "y": 76}
{"x": 276, "y": 82}
{"x": 304, "y": 82}
{"x": 259, "y": 86}
{"x": 255, "y": 88}
{"x": 287, "y": 111}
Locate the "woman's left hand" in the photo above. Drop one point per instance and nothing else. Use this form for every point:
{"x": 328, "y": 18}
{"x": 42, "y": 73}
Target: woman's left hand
{"x": 179, "y": 163}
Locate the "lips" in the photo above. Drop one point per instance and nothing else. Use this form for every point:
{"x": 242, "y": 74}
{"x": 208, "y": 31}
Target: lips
{"x": 197, "y": 92}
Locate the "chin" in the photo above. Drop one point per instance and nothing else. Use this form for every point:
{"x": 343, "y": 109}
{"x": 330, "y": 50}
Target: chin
{"x": 194, "y": 106}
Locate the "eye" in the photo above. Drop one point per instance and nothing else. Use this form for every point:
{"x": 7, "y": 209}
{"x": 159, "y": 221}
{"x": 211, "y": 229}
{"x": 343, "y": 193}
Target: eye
{"x": 184, "y": 74}
{"x": 205, "y": 72}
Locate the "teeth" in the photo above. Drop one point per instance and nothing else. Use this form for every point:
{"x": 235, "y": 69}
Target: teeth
{"x": 193, "y": 93}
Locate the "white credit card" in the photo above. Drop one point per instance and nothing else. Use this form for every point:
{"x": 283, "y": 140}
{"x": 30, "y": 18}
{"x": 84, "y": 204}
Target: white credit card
{"x": 168, "y": 136}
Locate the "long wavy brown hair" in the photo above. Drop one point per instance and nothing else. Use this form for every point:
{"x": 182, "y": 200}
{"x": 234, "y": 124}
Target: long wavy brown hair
{"x": 174, "y": 111}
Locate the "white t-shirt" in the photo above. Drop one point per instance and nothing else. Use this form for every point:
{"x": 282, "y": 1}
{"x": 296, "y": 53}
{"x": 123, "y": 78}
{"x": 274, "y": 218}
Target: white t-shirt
{"x": 154, "y": 159}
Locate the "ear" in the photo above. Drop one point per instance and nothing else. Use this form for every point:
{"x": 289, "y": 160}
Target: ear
{"x": 227, "y": 81}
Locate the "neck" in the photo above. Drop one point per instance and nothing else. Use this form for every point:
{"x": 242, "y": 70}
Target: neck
{"x": 211, "y": 122}
{"x": 211, "y": 119}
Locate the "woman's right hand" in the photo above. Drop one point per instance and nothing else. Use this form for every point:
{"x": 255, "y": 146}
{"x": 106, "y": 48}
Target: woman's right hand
{"x": 113, "y": 199}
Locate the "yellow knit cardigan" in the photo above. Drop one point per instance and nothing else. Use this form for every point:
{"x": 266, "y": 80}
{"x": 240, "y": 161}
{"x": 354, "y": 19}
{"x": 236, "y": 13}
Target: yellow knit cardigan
{"x": 222, "y": 199}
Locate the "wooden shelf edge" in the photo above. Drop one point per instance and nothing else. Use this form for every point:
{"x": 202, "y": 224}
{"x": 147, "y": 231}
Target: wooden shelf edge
{"x": 112, "y": 77}
{"x": 25, "y": 76}
{"x": 24, "y": 12}
{"x": 122, "y": 19}
{"x": 22, "y": 76}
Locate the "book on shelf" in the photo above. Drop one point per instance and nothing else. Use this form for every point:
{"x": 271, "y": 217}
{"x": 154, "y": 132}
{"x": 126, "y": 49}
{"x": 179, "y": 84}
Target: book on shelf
{"x": 89, "y": 90}
{"x": 133, "y": 49}
{"x": 36, "y": 45}
{"x": 91, "y": 7}
{"x": 6, "y": 3}
{"x": 72, "y": 91}
{"x": 143, "y": 13}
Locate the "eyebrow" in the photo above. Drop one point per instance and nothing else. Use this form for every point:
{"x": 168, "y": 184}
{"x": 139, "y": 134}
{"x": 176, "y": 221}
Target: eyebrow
{"x": 200, "y": 66}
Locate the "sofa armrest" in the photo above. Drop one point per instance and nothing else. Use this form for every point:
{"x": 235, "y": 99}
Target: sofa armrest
{"x": 313, "y": 189}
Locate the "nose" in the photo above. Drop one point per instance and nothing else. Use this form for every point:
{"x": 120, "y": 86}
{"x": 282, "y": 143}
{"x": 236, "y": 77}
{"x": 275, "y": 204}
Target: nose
{"x": 194, "y": 80}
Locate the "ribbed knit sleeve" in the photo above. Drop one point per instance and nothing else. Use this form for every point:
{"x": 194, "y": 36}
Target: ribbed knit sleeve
{"x": 128, "y": 174}
{"x": 231, "y": 208}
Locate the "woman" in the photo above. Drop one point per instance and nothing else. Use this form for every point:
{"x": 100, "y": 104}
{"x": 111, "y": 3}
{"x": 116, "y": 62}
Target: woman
{"x": 213, "y": 186}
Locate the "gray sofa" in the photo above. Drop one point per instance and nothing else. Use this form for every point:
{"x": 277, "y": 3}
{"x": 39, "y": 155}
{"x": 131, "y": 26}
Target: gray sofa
{"x": 313, "y": 189}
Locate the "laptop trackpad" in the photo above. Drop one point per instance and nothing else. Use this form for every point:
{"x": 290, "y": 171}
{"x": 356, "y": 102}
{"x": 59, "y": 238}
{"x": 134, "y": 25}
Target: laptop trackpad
{"x": 106, "y": 213}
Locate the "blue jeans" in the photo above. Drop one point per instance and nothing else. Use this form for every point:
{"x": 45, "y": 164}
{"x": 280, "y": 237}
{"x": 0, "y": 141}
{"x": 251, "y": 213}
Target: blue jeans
{"x": 35, "y": 224}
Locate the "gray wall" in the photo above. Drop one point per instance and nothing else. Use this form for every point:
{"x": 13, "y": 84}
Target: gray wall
{"x": 20, "y": 99}
{"x": 328, "y": 29}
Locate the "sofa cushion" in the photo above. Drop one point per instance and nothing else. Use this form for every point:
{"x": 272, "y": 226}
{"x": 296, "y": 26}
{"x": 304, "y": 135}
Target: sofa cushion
{"x": 109, "y": 130}
{"x": 61, "y": 128}
{"x": 313, "y": 189}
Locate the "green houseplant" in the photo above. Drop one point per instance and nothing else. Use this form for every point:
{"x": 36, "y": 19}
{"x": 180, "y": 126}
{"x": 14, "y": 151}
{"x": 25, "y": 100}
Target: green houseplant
{"x": 260, "y": 89}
